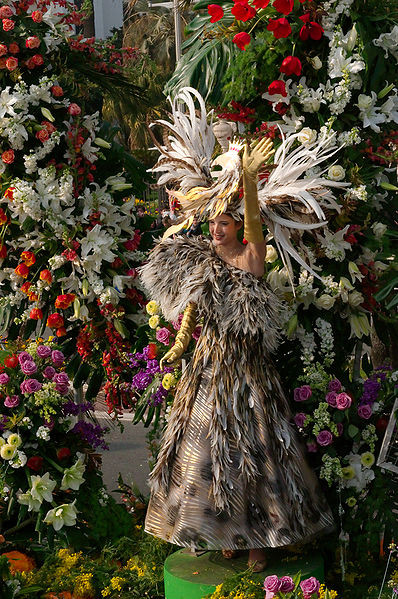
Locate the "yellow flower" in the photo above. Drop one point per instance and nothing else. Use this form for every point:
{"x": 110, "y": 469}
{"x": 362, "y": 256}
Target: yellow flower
{"x": 8, "y": 451}
{"x": 153, "y": 322}
{"x": 351, "y": 501}
{"x": 83, "y": 584}
{"x": 348, "y": 472}
{"x": 116, "y": 583}
{"x": 322, "y": 593}
{"x": 15, "y": 440}
{"x": 169, "y": 381}
{"x": 367, "y": 459}
{"x": 106, "y": 591}
{"x": 152, "y": 308}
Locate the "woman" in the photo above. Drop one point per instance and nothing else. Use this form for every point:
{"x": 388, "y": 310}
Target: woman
{"x": 230, "y": 474}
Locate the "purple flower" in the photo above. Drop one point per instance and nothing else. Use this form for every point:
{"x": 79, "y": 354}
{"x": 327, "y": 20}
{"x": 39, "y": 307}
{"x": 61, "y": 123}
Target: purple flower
{"x": 57, "y": 357}
{"x": 343, "y": 401}
{"x": 3, "y": 421}
{"x": 11, "y": 402}
{"x": 299, "y": 419}
{"x": 340, "y": 429}
{"x": 49, "y": 372}
{"x": 312, "y": 447}
{"x": 4, "y": 378}
{"x": 272, "y": 583}
{"x": 331, "y": 398}
{"x": 153, "y": 366}
{"x": 334, "y": 385}
{"x": 49, "y": 423}
{"x": 309, "y": 586}
{"x": 163, "y": 336}
{"x": 324, "y": 438}
{"x": 62, "y": 389}
{"x": 158, "y": 397}
{"x": 197, "y": 333}
{"x": 302, "y": 393}
{"x": 287, "y": 584}
{"x": 62, "y": 378}
{"x": 43, "y": 351}
{"x": 23, "y": 356}
{"x": 28, "y": 367}
{"x": 74, "y": 409}
{"x": 30, "y": 386}
{"x": 141, "y": 380}
{"x": 365, "y": 411}
{"x": 91, "y": 433}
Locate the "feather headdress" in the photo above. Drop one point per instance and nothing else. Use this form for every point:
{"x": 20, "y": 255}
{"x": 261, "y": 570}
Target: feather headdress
{"x": 289, "y": 200}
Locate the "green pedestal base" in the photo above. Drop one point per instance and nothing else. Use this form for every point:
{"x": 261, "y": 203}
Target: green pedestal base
{"x": 189, "y": 577}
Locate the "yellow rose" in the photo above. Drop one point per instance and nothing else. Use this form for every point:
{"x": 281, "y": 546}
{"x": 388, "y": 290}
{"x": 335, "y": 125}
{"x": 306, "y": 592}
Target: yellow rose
{"x": 153, "y": 322}
{"x": 152, "y": 308}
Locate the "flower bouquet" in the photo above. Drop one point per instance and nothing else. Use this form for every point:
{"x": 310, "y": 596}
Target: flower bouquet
{"x": 287, "y": 587}
{"x": 46, "y": 448}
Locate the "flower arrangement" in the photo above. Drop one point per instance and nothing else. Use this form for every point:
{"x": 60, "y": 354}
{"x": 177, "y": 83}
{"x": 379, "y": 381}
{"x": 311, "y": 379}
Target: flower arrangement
{"x": 68, "y": 243}
{"x": 46, "y": 453}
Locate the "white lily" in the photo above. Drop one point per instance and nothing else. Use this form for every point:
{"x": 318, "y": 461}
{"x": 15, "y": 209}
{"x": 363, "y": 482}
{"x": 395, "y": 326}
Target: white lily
{"x": 27, "y": 499}
{"x": 73, "y": 476}
{"x": 43, "y": 487}
{"x": 63, "y": 515}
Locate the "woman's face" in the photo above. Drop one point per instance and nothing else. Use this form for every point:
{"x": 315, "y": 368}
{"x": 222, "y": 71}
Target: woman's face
{"x": 223, "y": 229}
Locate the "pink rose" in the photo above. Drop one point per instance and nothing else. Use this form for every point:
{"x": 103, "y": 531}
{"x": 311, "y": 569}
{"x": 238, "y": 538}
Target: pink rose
{"x": 331, "y": 398}
{"x": 30, "y": 386}
{"x": 57, "y": 357}
{"x": 334, "y": 385}
{"x": 271, "y": 583}
{"x": 49, "y": 372}
{"x": 4, "y": 378}
{"x": 312, "y": 447}
{"x": 324, "y": 438}
{"x": 11, "y": 402}
{"x": 309, "y": 586}
{"x": 177, "y": 323}
{"x": 62, "y": 378}
{"x": 28, "y": 367}
{"x": 343, "y": 401}
{"x": 74, "y": 109}
{"x": 299, "y": 419}
{"x": 43, "y": 351}
{"x": 163, "y": 336}
{"x": 365, "y": 411}
{"x": 302, "y": 393}
{"x": 340, "y": 429}
{"x": 287, "y": 584}
{"x": 23, "y": 356}
{"x": 6, "y": 12}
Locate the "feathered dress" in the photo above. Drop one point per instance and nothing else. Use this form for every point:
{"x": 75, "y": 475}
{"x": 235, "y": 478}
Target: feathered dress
{"x": 230, "y": 472}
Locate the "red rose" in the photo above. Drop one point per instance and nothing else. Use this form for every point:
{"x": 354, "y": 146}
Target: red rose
{"x": 216, "y": 12}
{"x": 63, "y": 453}
{"x": 49, "y": 126}
{"x": 6, "y": 12}
{"x": 64, "y": 301}
{"x": 74, "y": 109}
{"x": 8, "y": 24}
{"x": 55, "y": 321}
{"x": 281, "y": 108}
{"x": 37, "y": 59}
{"x": 32, "y": 42}
{"x": 43, "y": 135}
{"x": 242, "y": 11}
{"x": 277, "y": 87}
{"x": 279, "y": 27}
{"x": 241, "y": 39}
{"x": 284, "y": 6}
{"x": 310, "y": 29}
{"x": 35, "y": 463}
{"x": 291, "y": 65}
{"x": 28, "y": 257}
{"x": 30, "y": 64}
{"x": 11, "y": 361}
{"x": 57, "y": 91}
{"x": 3, "y": 49}
{"x": 261, "y": 3}
{"x": 37, "y": 16}
{"x": 13, "y": 48}
{"x": 3, "y": 250}
{"x": 11, "y": 63}
{"x": 8, "y": 156}
{"x": 36, "y": 314}
{"x": 45, "y": 275}
{"x": 61, "y": 332}
{"x": 152, "y": 351}
{"x": 22, "y": 270}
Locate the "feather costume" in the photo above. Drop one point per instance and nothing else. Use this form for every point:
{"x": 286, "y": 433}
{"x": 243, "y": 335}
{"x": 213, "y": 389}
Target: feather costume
{"x": 230, "y": 473}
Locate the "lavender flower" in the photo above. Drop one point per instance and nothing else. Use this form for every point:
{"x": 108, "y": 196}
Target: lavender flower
{"x": 141, "y": 380}
{"x": 73, "y": 409}
{"x": 91, "y": 433}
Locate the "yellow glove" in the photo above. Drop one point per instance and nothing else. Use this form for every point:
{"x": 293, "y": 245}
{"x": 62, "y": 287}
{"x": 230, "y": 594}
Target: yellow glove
{"x": 251, "y": 162}
{"x": 183, "y": 336}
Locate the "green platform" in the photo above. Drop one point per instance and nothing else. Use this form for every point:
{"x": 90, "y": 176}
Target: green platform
{"x": 187, "y": 576}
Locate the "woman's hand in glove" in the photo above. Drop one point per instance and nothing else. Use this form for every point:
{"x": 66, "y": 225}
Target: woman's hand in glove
{"x": 260, "y": 153}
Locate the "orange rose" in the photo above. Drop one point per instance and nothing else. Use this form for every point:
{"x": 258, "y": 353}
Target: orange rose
{"x": 61, "y": 332}
{"x": 22, "y": 270}
{"x": 29, "y": 258}
{"x": 8, "y": 156}
{"x": 11, "y": 63}
{"x": 19, "y": 562}
{"x": 33, "y": 297}
{"x": 13, "y": 48}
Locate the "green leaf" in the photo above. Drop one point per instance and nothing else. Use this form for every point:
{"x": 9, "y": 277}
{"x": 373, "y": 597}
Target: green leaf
{"x": 94, "y": 384}
{"x": 352, "y": 431}
{"x": 81, "y": 375}
{"x": 388, "y": 186}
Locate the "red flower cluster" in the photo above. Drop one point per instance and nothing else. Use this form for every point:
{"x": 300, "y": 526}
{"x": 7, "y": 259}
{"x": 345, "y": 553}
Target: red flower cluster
{"x": 242, "y": 40}
{"x": 240, "y": 113}
{"x": 279, "y": 27}
{"x": 64, "y": 301}
{"x": 369, "y": 286}
{"x": 242, "y": 11}
{"x": 310, "y": 29}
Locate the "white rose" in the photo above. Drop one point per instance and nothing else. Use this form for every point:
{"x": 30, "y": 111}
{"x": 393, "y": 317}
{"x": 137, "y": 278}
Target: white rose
{"x": 355, "y": 299}
{"x": 364, "y": 102}
{"x": 316, "y": 63}
{"x": 379, "y": 229}
{"x": 325, "y": 301}
{"x": 271, "y": 253}
{"x": 307, "y": 136}
{"x": 336, "y": 173}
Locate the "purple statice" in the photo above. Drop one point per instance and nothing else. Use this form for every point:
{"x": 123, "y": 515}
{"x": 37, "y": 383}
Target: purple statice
{"x": 70, "y": 408}
{"x": 141, "y": 380}
{"x": 91, "y": 433}
{"x": 157, "y": 398}
{"x": 371, "y": 390}
{"x": 3, "y": 422}
{"x": 153, "y": 366}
